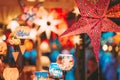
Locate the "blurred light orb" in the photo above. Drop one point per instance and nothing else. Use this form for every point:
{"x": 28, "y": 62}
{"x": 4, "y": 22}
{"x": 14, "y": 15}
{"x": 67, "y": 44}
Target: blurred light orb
{"x": 13, "y": 25}
{"x": 28, "y": 45}
{"x": 105, "y": 47}
{"x": 45, "y": 61}
{"x": 45, "y": 47}
{"x": 110, "y": 48}
{"x": 3, "y": 48}
{"x": 116, "y": 48}
{"x": 65, "y": 51}
{"x": 10, "y": 73}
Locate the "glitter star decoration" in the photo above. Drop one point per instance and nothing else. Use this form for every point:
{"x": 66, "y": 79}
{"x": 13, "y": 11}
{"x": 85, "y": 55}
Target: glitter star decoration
{"x": 93, "y": 21}
{"x": 29, "y": 13}
{"x": 47, "y": 24}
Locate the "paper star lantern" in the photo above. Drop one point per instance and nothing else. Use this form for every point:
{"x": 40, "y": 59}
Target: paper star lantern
{"x": 29, "y": 13}
{"x": 47, "y": 24}
{"x": 93, "y": 21}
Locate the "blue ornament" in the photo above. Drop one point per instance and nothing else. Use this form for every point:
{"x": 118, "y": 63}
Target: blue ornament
{"x": 107, "y": 35}
{"x": 27, "y": 54}
{"x": 31, "y": 55}
{"x": 53, "y": 56}
{"x": 70, "y": 75}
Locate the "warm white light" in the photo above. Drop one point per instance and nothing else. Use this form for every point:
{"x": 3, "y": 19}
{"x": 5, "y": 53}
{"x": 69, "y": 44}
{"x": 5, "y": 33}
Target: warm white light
{"x": 33, "y": 34}
{"x": 76, "y": 39}
{"x": 105, "y": 47}
{"x": 10, "y": 73}
{"x": 44, "y": 47}
{"x": 76, "y": 11}
{"x": 110, "y": 48}
{"x": 47, "y": 24}
{"x": 13, "y": 25}
{"x": 45, "y": 61}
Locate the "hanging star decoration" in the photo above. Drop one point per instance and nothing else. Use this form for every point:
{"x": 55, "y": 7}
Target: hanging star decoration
{"x": 47, "y": 24}
{"x": 93, "y": 21}
{"x": 114, "y": 12}
{"x": 29, "y": 13}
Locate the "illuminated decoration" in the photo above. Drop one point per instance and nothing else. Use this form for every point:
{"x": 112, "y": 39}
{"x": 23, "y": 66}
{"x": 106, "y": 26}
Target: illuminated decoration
{"x": 31, "y": 55}
{"x": 93, "y": 21}
{"x": 11, "y": 74}
{"x": 67, "y": 42}
{"x": 28, "y": 45}
{"x": 107, "y": 38}
{"x": 47, "y": 24}
{"x": 41, "y": 75}
{"x": 114, "y": 12}
{"x": 13, "y": 40}
{"x": 117, "y": 48}
{"x": 33, "y": 33}
{"x": 53, "y": 56}
{"x": 76, "y": 11}
{"x": 106, "y": 47}
{"x": 65, "y": 61}
{"x": 22, "y": 32}
{"x": 13, "y": 25}
{"x": 76, "y": 39}
{"x": 55, "y": 71}
{"x": 45, "y": 61}
{"x": 62, "y": 26}
{"x": 110, "y": 48}
{"x": 116, "y": 39}
{"x": 2, "y": 38}
{"x": 29, "y": 13}
{"x": 45, "y": 46}
{"x": 3, "y": 48}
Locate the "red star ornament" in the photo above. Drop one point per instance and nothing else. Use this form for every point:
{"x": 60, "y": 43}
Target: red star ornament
{"x": 93, "y": 21}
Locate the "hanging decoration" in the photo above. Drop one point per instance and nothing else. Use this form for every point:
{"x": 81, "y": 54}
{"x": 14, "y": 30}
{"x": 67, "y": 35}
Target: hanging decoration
{"x": 12, "y": 25}
{"x": 3, "y": 48}
{"x": 65, "y": 61}
{"x": 41, "y": 75}
{"x": 55, "y": 71}
{"x": 28, "y": 44}
{"x": 48, "y": 24}
{"x": 10, "y": 73}
{"x": 45, "y": 61}
{"x": 13, "y": 40}
{"x": 45, "y": 46}
{"x": 93, "y": 21}
{"x": 22, "y": 32}
{"x": 114, "y": 12}
{"x": 29, "y": 13}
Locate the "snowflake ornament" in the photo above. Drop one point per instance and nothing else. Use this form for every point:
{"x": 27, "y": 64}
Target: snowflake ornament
{"x": 47, "y": 24}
